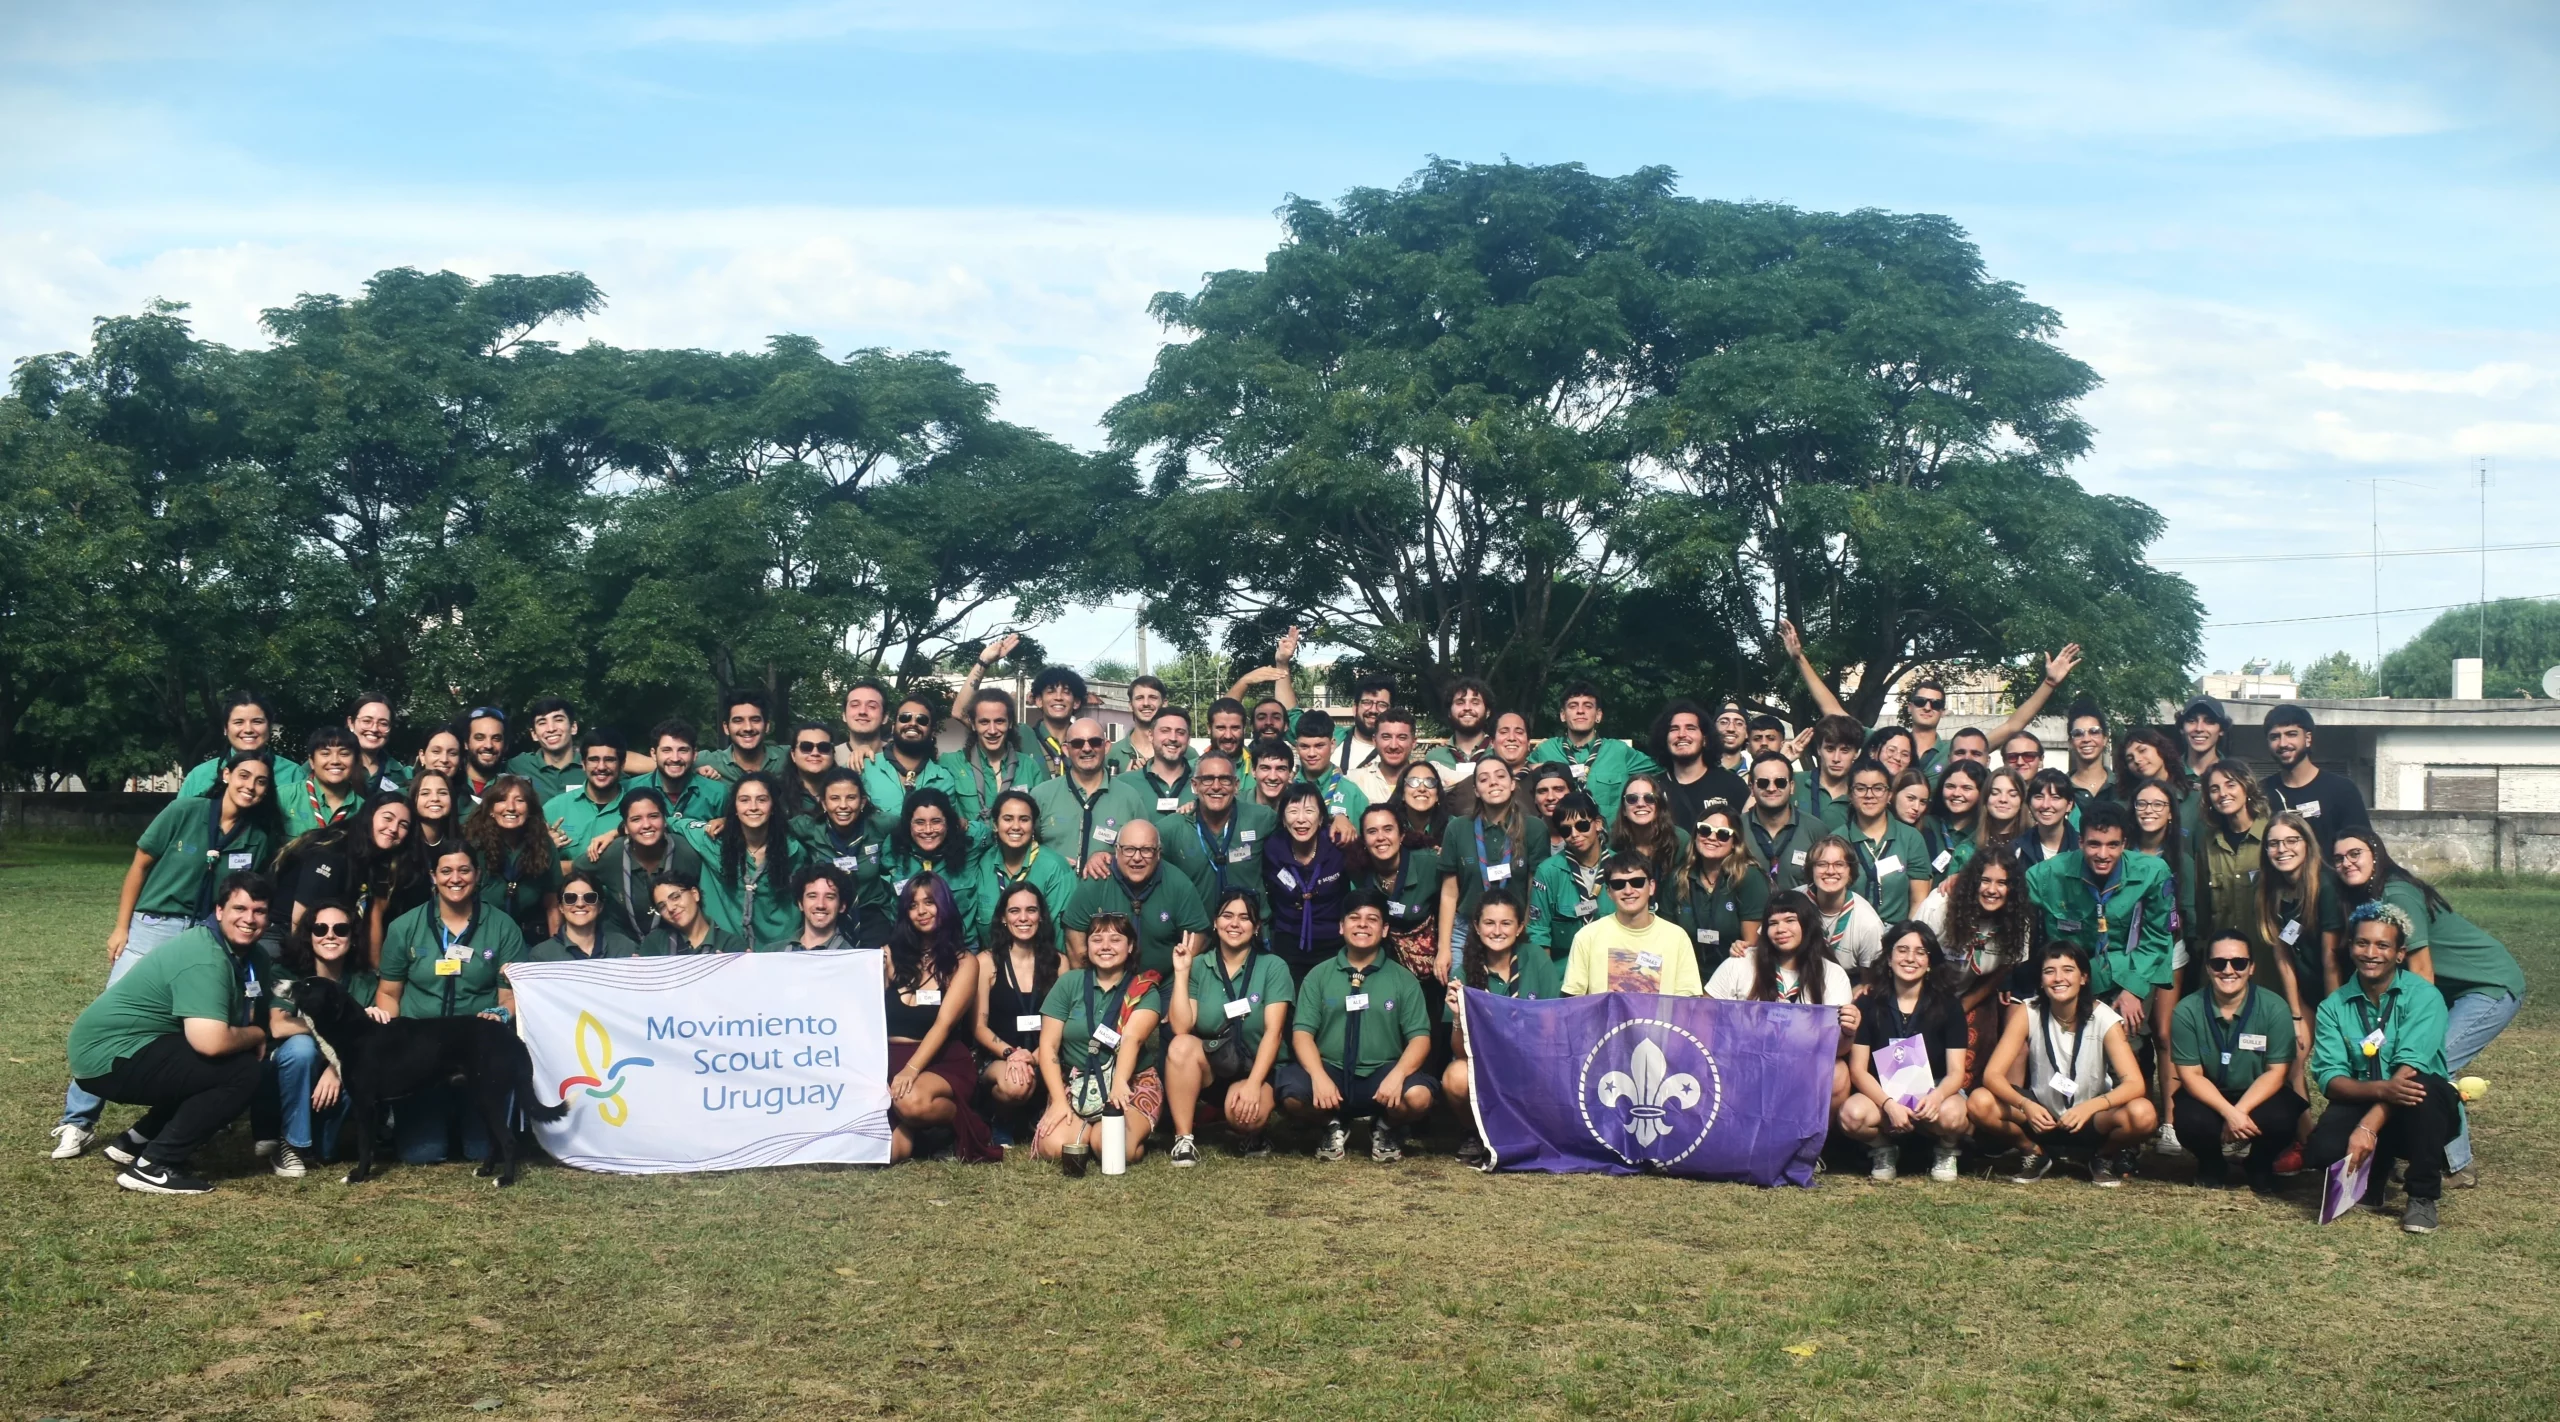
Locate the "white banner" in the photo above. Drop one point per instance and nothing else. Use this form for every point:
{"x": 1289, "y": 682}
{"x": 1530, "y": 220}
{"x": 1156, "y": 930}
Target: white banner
{"x": 722, "y": 1061}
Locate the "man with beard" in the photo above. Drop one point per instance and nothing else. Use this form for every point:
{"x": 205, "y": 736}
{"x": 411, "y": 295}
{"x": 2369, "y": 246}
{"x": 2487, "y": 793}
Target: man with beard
{"x": 484, "y": 752}
{"x": 743, "y": 719}
{"x": 1082, "y": 813}
{"x": 579, "y": 816}
{"x": 1147, "y": 696}
{"x": 1227, "y": 728}
{"x": 990, "y": 762}
{"x": 2327, "y": 800}
{"x": 1599, "y": 765}
{"x": 1397, "y": 740}
{"x": 1680, "y": 740}
{"x": 1217, "y": 843}
{"x": 1164, "y": 782}
{"x": 907, "y": 764}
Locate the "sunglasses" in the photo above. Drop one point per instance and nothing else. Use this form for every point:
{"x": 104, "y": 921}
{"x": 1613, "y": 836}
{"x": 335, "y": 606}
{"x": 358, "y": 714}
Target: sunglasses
{"x": 578, "y": 900}
{"x": 1639, "y": 797}
{"x": 1579, "y": 826}
{"x": 2230, "y": 965}
{"x": 910, "y": 718}
{"x": 1637, "y": 882}
{"x": 1759, "y": 784}
{"x": 813, "y": 747}
{"x": 1926, "y": 703}
{"x": 1087, "y": 743}
{"x": 1718, "y": 833}
{"x": 332, "y": 930}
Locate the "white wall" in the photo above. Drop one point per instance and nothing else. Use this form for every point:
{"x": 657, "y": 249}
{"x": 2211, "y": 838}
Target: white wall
{"x": 2527, "y": 758}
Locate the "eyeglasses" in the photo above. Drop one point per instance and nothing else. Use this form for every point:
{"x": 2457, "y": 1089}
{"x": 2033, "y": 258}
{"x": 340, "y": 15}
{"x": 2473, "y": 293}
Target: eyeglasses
{"x": 1213, "y": 780}
{"x": 1926, "y": 703}
{"x": 1134, "y": 850}
{"x": 1639, "y": 797}
{"x": 2230, "y": 965}
{"x": 1759, "y": 784}
{"x": 1086, "y": 743}
{"x": 332, "y": 930}
{"x": 1718, "y": 833}
{"x": 911, "y": 718}
{"x": 813, "y": 747}
{"x": 1637, "y": 882}
{"x": 578, "y": 900}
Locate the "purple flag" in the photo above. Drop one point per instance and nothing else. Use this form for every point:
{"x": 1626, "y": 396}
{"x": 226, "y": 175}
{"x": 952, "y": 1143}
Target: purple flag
{"x": 1625, "y": 1082}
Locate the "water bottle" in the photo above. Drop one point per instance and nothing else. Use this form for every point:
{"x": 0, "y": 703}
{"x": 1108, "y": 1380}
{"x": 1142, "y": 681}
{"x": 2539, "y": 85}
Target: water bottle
{"x": 1115, "y": 1141}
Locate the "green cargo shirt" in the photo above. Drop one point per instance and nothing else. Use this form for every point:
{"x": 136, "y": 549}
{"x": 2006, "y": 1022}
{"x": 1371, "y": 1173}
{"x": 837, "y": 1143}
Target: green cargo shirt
{"x": 2124, "y": 923}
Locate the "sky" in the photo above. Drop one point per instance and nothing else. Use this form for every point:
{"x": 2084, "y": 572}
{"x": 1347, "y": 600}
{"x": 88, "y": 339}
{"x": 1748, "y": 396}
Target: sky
{"x": 2308, "y": 246}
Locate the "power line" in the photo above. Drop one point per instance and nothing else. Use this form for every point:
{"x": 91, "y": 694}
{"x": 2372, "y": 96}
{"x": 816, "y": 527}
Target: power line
{"x": 2468, "y": 550}
{"x": 2386, "y": 612}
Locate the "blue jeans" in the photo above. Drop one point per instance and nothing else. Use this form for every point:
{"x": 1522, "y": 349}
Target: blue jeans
{"x": 282, "y": 1107}
{"x": 422, "y": 1126}
{"x": 148, "y": 931}
{"x": 2472, "y": 1021}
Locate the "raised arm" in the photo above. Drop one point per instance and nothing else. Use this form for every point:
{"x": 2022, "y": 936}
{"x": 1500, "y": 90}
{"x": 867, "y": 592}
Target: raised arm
{"x": 2056, "y": 667}
{"x": 1822, "y": 694}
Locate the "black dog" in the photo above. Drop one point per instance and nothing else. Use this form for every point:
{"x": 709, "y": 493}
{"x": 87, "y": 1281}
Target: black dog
{"x": 384, "y": 1061}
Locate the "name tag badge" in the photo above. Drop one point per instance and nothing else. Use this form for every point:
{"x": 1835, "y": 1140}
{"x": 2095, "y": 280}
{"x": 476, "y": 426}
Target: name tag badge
{"x": 1397, "y": 910}
{"x": 2064, "y": 1087}
{"x": 242, "y": 859}
{"x": 1248, "y": 836}
{"x": 2292, "y": 932}
{"x": 1890, "y": 864}
{"x": 2308, "y": 809}
{"x": 1106, "y": 1034}
{"x": 1797, "y": 859}
{"x": 2373, "y": 1041}
{"x": 1238, "y": 1007}
{"x": 1580, "y": 771}
{"x": 1649, "y": 962}
{"x": 1166, "y": 804}
{"x": 1356, "y": 1002}
{"x": 448, "y": 967}
{"x": 1710, "y": 935}
{"x": 458, "y": 953}
{"x": 848, "y": 862}
{"x": 1944, "y": 857}
{"x": 928, "y": 997}
{"x": 1027, "y": 1022}
{"x": 253, "y": 988}
{"x": 1106, "y": 836}
{"x": 1288, "y": 879}
{"x": 1240, "y": 854}
{"x": 1585, "y": 908}
{"x": 1496, "y": 873}
{"x": 2249, "y": 1042}
{"x": 2067, "y": 925}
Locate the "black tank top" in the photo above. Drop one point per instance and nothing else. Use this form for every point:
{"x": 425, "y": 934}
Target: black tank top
{"x": 909, "y": 1022}
{"x": 1008, "y": 1005}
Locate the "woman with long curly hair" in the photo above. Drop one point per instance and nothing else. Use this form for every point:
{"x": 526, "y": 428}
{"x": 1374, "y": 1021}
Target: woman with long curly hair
{"x": 932, "y": 993}
{"x": 1986, "y": 928}
{"x": 519, "y": 865}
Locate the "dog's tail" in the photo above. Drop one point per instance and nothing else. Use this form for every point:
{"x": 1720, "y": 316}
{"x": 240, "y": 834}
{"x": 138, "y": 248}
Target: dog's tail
{"x": 528, "y": 1095}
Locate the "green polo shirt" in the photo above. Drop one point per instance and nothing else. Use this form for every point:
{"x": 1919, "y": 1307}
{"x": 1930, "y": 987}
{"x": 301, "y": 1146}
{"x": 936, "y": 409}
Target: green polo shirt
{"x": 858, "y": 855}
{"x": 1123, "y": 755}
{"x": 1341, "y": 797}
{"x": 1559, "y": 906}
{"x": 508, "y": 888}
{"x": 191, "y": 975}
{"x": 760, "y": 906}
{"x": 627, "y": 887}
{"x": 699, "y": 798}
{"x": 1949, "y": 848}
{"x": 1884, "y": 870}
{"x": 1714, "y": 919}
{"x": 1264, "y": 981}
{"x": 1170, "y": 910}
{"x": 1820, "y": 805}
{"x": 976, "y": 781}
{"x": 1784, "y": 853}
{"x": 548, "y": 779}
{"x": 665, "y": 942}
{"x": 722, "y": 765}
{"x": 610, "y": 943}
{"x": 416, "y": 943}
{"x": 2124, "y": 925}
{"x": 302, "y": 816}
{"x": 1164, "y": 800}
{"x": 1394, "y": 1016}
{"x": 1217, "y": 861}
{"x": 289, "y": 776}
{"x": 575, "y": 810}
{"x": 1077, "y": 825}
{"x": 2236, "y": 1051}
{"x": 886, "y": 785}
{"x": 1533, "y": 975}
{"x": 989, "y": 880}
{"x": 2465, "y": 959}
{"x": 1600, "y": 768}
{"x": 2411, "y": 1021}
{"x": 1068, "y": 1002}
{"x": 1469, "y": 846}
{"x": 1412, "y": 890}
{"x": 190, "y": 859}
{"x": 958, "y": 870}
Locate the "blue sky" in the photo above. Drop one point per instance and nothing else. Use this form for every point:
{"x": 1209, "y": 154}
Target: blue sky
{"x": 2307, "y": 245}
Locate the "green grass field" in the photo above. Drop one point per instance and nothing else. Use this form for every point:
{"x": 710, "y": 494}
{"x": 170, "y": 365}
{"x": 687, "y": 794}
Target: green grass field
{"x": 1241, "y": 1288}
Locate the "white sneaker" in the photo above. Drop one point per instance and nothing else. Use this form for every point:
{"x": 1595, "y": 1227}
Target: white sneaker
{"x": 1882, "y": 1163}
{"x": 70, "y": 1139}
{"x": 264, "y": 1149}
{"x": 287, "y": 1162}
{"x": 1944, "y": 1167}
{"x": 2166, "y": 1143}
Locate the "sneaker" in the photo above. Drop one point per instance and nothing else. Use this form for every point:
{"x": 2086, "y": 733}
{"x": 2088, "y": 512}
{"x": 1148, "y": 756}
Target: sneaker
{"x": 264, "y": 1150}
{"x": 1185, "y": 1152}
{"x": 1254, "y": 1147}
{"x": 2105, "y": 1171}
{"x": 1386, "y": 1143}
{"x": 1883, "y": 1160}
{"x": 2166, "y": 1143}
{"x": 287, "y": 1162}
{"x": 1943, "y": 1168}
{"x": 2467, "y": 1178}
{"x": 1472, "y": 1153}
{"x": 2419, "y": 1218}
{"x": 153, "y": 1179}
{"x": 125, "y": 1149}
{"x": 1329, "y": 1145}
{"x": 2289, "y": 1161}
{"x": 70, "y": 1138}
{"x": 2037, "y": 1166}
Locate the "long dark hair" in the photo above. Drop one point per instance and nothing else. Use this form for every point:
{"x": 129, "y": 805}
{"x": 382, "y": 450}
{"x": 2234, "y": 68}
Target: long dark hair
{"x": 301, "y": 962}
{"x": 781, "y": 862}
{"x": 2386, "y": 869}
{"x": 1422, "y": 831}
{"x": 2173, "y": 764}
{"x": 528, "y": 845}
{"x": 1513, "y": 814}
{"x": 909, "y": 950}
{"x": 1043, "y": 941}
{"x": 1253, "y": 905}
{"x": 1810, "y": 952}
{"x": 955, "y": 839}
{"x": 376, "y": 872}
{"x": 1664, "y": 847}
{"x": 449, "y": 827}
{"x": 2008, "y": 929}
{"x": 1495, "y": 898}
{"x": 266, "y": 815}
{"x": 1968, "y": 824}
{"x": 1935, "y": 990}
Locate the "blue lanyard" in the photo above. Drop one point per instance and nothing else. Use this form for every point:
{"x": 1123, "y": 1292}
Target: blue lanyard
{"x": 1482, "y": 862}
{"x": 1216, "y": 849}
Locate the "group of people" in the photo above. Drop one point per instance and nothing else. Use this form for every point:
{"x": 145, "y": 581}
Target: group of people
{"x": 1271, "y": 912}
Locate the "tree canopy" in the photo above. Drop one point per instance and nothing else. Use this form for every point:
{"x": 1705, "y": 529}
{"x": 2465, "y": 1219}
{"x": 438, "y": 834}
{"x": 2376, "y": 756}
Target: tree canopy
{"x": 2523, "y": 642}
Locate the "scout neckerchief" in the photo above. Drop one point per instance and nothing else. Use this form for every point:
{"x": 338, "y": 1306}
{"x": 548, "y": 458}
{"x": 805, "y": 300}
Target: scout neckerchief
{"x": 1485, "y": 862}
{"x": 319, "y": 816}
{"x": 1835, "y": 928}
{"x": 216, "y": 844}
{"x": 1137, "y": 896}
{"x": 1227, "y": 981}
{"x": 1351, "y": 1015}
{"x": 1586, "y": 886}
{"x": 1053, "y": 751}
{"x": 2368, "y": 1052}
{"x": 2104, "y": 896}
{"x": 906, "y": 777}
{"x": 1222, "y": 845}
{"x": 2222, "y": 1044}
{"x": 447, "y": 939}
{"x": 1007, "y": 878}
{"x": 1867, "y": 859}
{"x": 1120, "y": 1005}
{"x": 1085, "y": 802}
{"x": 979, "y": 763}
{"x": 1164, "y": 791}
{"x": 1580, "y": 769}
{"x": 636, "y": 899}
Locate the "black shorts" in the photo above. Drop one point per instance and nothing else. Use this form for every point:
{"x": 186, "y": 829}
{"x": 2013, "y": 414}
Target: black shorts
{"x": 1359, "y": 1093}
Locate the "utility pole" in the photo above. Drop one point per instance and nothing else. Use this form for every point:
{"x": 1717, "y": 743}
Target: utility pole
{"x": 2482, "y": 475}
{"x": 1142, "y": 640}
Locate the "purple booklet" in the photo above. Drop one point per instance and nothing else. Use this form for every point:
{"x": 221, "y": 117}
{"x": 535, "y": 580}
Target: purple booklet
{"x": 2341, "y": 1187}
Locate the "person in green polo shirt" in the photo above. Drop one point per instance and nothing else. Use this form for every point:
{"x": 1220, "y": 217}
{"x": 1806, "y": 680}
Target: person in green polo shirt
{"x": 2482, "y": 983}
{"x": 180, "y": 1036}
{"x": 1081, "y": 811}
{"x": 581, "y": 817}
{"x": 519, "y": 865}
{"x": 1016, "y": 856}
{"x": 552, "y": 764}
{"x": 1060, "y": 696}
{"x": 369, "y": 721}
{"x": 2377, "y": 1050}
{"x": 1147, "y": 696}
{"x": 1360, "y": 1034}
{"x": 1494, "y": 964}
{"x": 1098, "y": 1049}
{"x": 906, "y": 764}
{"x": 630, "y": 865}
{"x": 1162, "y": 782}
{"x": 2233, "y": 1048}
{"x": 1162, "y": 907}
{"x": 743, "y": 721}
{"x": 823, "y": 892}
{"x": 1778, "y": 831}
{"x": 1893, "y": 860}
{"x": 583, "y": 935}
{"x": 1230, "y": 1016}
{"x": 447, "y": 958}
{"x": 1313, "y": 741}
{"x": 991, "y": 761}
{"x": 1497, "y": 847}
{"x": 698, "y": 798}
{"x": 1723, "y": 895}
{"x": 683, "y": 927}
{"x": 929, "y": 839}
{"x": 840, "y": 834}
{"x": 331, "y": 787}
{"x": 747, "y": 868}
{"x": 1217, "y": 843}
{"x": 1598, "y": 764}
{"x": 247, "y": 725}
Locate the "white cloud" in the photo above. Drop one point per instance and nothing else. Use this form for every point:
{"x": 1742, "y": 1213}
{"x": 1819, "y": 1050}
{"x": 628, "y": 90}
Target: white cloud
{"x": 2496, "y": 378}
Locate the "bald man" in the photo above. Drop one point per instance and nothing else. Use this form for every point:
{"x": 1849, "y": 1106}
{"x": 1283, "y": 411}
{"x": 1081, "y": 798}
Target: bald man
{"x": 1166, "y": 909}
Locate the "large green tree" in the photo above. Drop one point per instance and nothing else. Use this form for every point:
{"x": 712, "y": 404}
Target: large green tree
{"x": 1505, "y": 419}
{"x": 2521, "y": 639}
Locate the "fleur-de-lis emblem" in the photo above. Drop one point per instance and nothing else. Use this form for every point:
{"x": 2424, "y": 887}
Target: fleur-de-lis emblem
{"x": 1647, "y": 1089}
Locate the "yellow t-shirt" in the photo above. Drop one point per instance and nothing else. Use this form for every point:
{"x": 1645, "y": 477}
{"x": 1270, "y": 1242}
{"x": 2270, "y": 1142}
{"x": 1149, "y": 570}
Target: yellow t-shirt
{"x": 1608, "y": 956}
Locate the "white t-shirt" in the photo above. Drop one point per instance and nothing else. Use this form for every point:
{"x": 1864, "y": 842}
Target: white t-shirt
{"x": 1733, "y": 978}
{"x": 1856, "y": 936}
{"x": 2050, "y": 1057}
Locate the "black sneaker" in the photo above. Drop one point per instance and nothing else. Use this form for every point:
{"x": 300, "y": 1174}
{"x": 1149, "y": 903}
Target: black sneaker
{"x": 1386, "y": 1142}
{"x": 2037, "y": 1166}
{"x": 1185, "y": 1152}
{"x": 153, "y": 1179}
{"x": 1254, "y": 1147}
{"x": 125, "y": 1149}
{"x": 1329, "y": 1145}
{"x": 2419, "y": 1218}
{"x": 1472, "y": 1152}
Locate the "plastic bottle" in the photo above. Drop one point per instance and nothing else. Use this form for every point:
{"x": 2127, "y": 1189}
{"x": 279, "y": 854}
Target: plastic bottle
{"x": 1115, "y": 1141}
